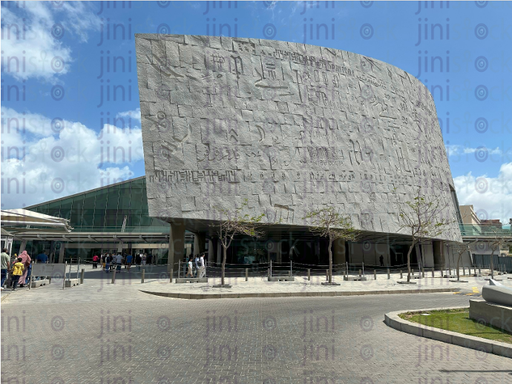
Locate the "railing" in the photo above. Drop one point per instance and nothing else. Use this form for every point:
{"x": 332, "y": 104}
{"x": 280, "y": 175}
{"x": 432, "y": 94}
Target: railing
{"x": 476, "y": 230}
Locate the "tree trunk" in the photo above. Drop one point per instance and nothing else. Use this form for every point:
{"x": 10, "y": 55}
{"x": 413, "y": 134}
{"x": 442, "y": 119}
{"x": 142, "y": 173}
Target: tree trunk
{"x": 223, "y": 267}
{"x": 330, "y": 260}
{"x": 492, "y": 263}
{"x": 409, "y": 262}
{"x": 458, "y": 263}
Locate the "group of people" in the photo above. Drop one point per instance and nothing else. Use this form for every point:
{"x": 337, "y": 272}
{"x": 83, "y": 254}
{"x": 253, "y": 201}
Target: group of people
{"x": 109, "y": 261}
{"x": 19, "y": 269}
{"x": 200, "y": 266}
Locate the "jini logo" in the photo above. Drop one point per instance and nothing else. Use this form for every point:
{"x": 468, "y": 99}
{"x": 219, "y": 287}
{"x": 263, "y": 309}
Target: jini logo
{"x": 112, "y": 64}
{"x": 432, "y": 31}
{"x": 115, "y": 328}
{"x": 115, "y": 31}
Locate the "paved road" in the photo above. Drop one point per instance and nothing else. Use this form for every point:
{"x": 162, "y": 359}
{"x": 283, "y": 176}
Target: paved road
{"x": 148, "y": 339}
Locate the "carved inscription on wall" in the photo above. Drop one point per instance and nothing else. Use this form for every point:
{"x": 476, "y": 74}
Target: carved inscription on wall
{"x": 289, "y": 127}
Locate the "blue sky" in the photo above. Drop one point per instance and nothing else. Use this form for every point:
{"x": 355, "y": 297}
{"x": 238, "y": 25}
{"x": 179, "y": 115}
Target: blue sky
{"x": 58, "y": 71}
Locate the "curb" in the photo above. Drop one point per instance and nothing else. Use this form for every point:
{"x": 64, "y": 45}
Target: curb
{"x": 200, "y": 296}
{"x": 480, "y": 344}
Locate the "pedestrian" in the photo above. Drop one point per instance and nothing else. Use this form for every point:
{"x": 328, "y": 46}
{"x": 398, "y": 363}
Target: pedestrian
{"x": 95, "y": 259}
{"x": 189, "y": 272}
{"x": 18, "y": 268}
{"x": 6, "y": 268}
{"x": 129, "y": 259}
{"x": 119, "y": 262}
{"x": 143, "y": 259}
{"x": 202, "y": 268}
{"x": 42, "y": 258}
{"x": 149, "y": 259}
{"x": 107, "y": 263}
{"x": 196, "y": 263}
{"x": 26, "y": 260}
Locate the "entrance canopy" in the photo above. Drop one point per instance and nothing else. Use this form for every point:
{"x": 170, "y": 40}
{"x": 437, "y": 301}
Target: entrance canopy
{"x": 22, "y": 221}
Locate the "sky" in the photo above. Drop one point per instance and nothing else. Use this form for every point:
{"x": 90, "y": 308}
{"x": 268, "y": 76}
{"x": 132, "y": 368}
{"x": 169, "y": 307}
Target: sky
{"x": 70, "y": 103}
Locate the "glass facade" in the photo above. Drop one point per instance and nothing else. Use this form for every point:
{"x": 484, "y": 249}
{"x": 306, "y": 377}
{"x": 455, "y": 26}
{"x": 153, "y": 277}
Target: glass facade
{"x": 121, "y": 207}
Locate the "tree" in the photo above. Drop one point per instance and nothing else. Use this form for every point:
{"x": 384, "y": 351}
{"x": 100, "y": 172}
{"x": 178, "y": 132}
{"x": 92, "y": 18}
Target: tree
{"x": 499, "y": 241}
{"x": 328, "y": 223}
{"x": 422, "y": 219}
{"x": 461, "y": 249}
{"x": 231, "y": 224}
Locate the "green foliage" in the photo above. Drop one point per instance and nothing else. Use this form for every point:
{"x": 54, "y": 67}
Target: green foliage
{"x": 326, "y": 222}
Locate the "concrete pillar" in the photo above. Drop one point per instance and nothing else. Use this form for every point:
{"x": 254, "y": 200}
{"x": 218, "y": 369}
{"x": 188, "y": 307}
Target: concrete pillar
{"x": 23, "y": 245}
{"x": 211, "y": 250}
{"x": 176, "y": 243}
{"x": 61, "y": 252}
{"x": 199, "y": 243}
{"x": 439, "y": 259}
{"x": 338, "y": 252}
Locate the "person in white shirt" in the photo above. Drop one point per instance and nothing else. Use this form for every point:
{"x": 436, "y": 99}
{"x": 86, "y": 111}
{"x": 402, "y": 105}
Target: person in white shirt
{"x": 119, "y": 262}
{"x": 202, "y": 268}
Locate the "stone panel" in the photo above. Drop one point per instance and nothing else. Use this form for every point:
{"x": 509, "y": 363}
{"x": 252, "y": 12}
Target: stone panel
{"x": 290, "y": 127}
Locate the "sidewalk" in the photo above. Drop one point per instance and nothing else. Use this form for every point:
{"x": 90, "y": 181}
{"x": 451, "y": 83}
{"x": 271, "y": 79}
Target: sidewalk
{"x": 261, "y": 287}
{"x": 98, "y": 287}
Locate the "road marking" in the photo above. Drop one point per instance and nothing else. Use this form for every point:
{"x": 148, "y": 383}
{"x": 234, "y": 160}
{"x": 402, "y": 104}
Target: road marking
{"x": 475, "y": 290}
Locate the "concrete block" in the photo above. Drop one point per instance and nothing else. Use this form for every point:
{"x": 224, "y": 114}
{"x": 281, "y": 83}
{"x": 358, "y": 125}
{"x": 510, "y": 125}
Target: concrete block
{"x": 71, "y": 283}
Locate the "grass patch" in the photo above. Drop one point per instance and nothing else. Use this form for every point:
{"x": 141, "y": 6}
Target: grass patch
{"x": 457, "y": 320}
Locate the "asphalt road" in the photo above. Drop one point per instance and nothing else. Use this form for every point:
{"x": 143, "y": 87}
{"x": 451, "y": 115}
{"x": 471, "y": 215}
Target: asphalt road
{"x": 140, "y": 338}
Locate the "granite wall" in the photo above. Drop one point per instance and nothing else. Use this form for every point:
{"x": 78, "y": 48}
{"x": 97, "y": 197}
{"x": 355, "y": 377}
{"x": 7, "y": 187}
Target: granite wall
{"x": 289, "y": 127}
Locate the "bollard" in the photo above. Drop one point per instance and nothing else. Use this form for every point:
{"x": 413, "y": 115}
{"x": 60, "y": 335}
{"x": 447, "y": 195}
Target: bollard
{"x": 309, "y": 274}
{"x": 374, "y": 274}
{"x": 270, "y": 270}
{"x": 359, "y": 273}
{"x": 143, "y": 275}
{"x": 114, "y": 276}
{"x": 82, "y": 273}
{"x": 389, "y": 274}
{"x": 422, "y": 272}
{"x": 64, "y": 276}
{"x": 432, "y": 272}
{"x": 412, "y": 272}
{"x": 171, "y": 275}
{"x": 463, "y": 271}
{"x": 179, "y": 269}
{"x": 326, "y": 275}
{"x": 246, "y": 274}
{"x": 479, "y": 271}
{"x": 363, "y": 269}
{"x": 401, "y": 274}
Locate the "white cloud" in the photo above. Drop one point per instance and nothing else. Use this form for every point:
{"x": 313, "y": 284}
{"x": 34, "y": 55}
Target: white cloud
{"x": 32, "y": 37}
{"x": 490, "y": 196}
{"x": 456, "y": 150}
{"x": 59, "y": 161}
{"x": 134, "y": 115}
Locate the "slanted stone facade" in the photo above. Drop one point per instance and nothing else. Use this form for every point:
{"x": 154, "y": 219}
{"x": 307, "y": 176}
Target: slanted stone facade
{"x": 289, "y": 127}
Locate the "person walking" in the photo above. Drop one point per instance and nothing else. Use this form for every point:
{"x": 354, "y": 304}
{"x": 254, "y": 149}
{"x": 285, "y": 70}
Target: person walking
{"x": 95, "y": 259}
{"x": 189, "y": 272}
{"x": 129, "y": 260}
{"x": 107, "y": 262}
{"x": 119, "y": 262}
{"x": 196, "y": 263}
{"x": 6, "y": 268}
{"x": 26, "y": 260}
{"x": 202, "y": 268}
{"x": 18, "y": 268}
{"x": 143, "y": 259}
